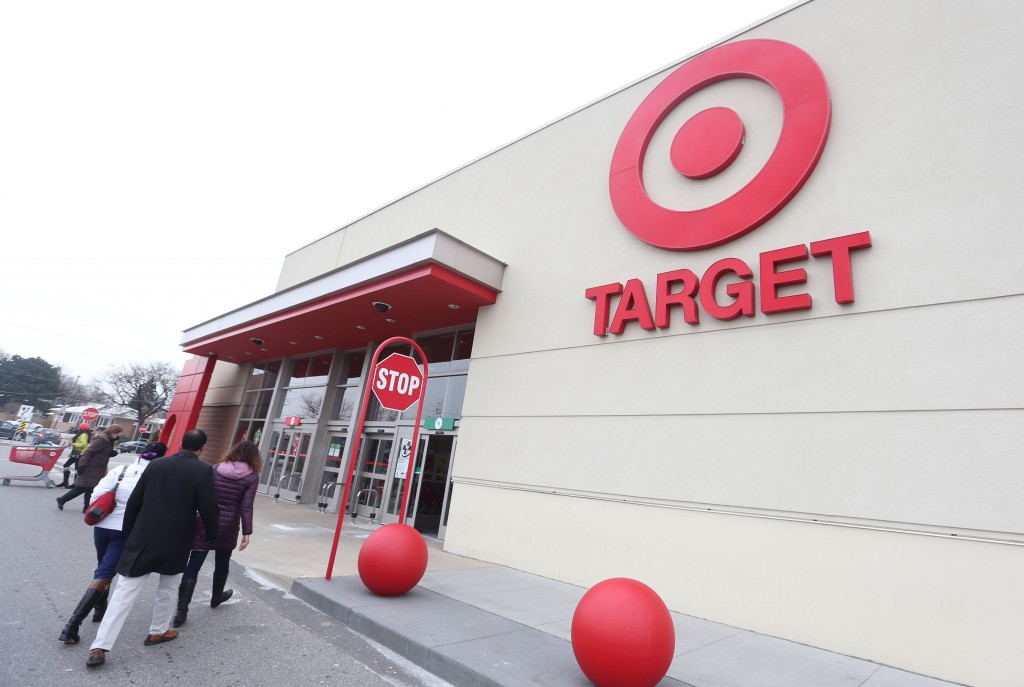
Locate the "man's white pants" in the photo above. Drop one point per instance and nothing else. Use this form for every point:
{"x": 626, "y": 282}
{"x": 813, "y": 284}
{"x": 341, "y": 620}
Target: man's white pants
{"x": 122, "y": 598}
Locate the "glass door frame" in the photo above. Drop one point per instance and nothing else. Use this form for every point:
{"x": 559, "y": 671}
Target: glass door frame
{"x": 283, "y": 452}
{"x": 442, "y": 527}
{"x": 289, "y": 486}
{"x": 414, "y": 498}
{"x": 369, "y": 486}
{"x": 401, "y": 451}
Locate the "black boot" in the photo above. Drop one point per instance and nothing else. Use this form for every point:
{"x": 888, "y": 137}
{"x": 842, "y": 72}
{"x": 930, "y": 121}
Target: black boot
{"x": 220, "y": 595}
{"x": 67, "y": 473}
{"x": 68, "y": 495}
{"x": 69, "y": 635}
{"x": 185, "y": 590}
{"x": 101, "y": 605}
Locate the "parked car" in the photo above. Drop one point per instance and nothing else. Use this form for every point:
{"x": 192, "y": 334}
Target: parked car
{"x": 8, "y": 429}
{"x": 131, "y": 446}
{"x": 45, "y": 436}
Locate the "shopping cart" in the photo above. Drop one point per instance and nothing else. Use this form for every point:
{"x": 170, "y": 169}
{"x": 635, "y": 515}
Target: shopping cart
{"x": 44, "y": 457}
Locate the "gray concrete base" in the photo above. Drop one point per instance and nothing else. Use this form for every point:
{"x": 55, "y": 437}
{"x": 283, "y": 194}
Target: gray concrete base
{"x": 500, "y": 627}
{"x": 453, "y": 640}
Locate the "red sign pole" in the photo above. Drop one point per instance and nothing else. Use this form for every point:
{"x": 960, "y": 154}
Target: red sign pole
{"x": 354, "y": 453}
{"x": 411, "y": 469}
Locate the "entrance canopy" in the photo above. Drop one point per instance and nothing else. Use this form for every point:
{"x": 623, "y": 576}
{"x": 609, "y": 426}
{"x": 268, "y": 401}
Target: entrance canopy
{"x": 433, "y": 281}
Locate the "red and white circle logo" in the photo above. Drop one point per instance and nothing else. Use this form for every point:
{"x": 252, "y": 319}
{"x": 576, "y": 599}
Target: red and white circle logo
{"x": 712, "y": 139}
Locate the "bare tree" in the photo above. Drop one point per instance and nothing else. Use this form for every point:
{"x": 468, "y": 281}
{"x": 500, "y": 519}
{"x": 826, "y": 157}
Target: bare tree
{"x": 146, "y": 389}
{"x": 311, "y": 405}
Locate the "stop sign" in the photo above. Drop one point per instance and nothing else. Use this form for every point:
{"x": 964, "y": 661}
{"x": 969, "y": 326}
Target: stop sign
{"x": 90, "y": 414}
{"x": 397, "y": 382}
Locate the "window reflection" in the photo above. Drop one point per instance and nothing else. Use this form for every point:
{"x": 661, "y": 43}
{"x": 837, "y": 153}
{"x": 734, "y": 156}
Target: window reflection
{"x": 463, "y": 351}
{"x": 304, "y": 403}
{"x": 456, "y": 396}
{"x": 376, "y": 413}
{"x": 345, "y": 404}
{"x": 310, "y": 371}
{"x": 263, "y": 375}
{"x": 355, "y": 368}
{"x": 438, "y": 350}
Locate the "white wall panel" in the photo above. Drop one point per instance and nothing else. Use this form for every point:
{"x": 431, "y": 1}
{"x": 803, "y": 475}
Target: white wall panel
{"x": 934, "y": 605}
{"x": 957, "y": 355}
{"x": 954, "y": 471}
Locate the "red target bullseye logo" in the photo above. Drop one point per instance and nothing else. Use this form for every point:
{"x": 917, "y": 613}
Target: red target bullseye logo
{"x": 710, "y": 141}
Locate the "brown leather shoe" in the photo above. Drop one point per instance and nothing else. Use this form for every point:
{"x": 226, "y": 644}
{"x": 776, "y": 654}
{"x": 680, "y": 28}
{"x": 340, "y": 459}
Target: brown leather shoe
{"x": 153, "y": 640}
{"x": 96, "y": 657}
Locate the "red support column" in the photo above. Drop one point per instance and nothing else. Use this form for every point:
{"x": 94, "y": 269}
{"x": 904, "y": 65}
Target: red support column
{"x": 183, "y": 413}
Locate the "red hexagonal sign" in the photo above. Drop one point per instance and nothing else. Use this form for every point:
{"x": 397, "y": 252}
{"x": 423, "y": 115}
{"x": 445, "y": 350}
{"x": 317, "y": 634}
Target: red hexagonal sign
{"x": 397, "y": 382}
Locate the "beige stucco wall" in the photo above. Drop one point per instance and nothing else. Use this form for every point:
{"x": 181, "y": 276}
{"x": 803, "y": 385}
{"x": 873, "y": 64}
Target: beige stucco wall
{"x": 226, "y": 384}
{"x": 802, "y": 474}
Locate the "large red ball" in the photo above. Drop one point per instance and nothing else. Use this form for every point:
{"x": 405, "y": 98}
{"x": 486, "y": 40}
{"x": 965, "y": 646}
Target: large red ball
{"x": 622, "y": 634}
{"x": 392, "y": 560}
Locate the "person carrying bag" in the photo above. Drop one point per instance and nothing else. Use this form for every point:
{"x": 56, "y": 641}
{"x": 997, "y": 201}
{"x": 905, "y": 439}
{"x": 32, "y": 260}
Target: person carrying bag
{"x": 92, "y": 466}
{"x": 108, "y": 538}
{"x": 105, "y": 503}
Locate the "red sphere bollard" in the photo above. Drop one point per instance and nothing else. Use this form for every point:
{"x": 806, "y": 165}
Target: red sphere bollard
{"x": 392, "y": 560}
{"x": 622, "y": 634}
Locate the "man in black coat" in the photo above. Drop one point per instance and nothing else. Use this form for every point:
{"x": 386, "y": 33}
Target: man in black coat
{"x": 159, "y": 521}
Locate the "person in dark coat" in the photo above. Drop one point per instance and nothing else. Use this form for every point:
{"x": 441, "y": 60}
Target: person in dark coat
{"x": 160, "y": 522}
{"x": 92, "y": 466}
{"x": 235, "y": 478}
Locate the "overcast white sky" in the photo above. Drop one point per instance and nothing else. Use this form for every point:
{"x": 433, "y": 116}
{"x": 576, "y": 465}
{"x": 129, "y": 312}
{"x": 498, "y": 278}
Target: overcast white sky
{"x": 162, "y": 158}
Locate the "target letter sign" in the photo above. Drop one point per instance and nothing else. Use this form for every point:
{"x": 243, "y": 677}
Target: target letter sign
{"x": 397, "y": 382}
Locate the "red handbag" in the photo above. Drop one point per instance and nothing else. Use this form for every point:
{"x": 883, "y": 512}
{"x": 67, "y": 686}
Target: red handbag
{"x": 104, "y": 503}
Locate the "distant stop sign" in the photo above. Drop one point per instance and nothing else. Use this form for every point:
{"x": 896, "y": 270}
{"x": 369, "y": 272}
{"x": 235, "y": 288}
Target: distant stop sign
{"x": 90, "y": 414}
{"x": 397, "y": 382}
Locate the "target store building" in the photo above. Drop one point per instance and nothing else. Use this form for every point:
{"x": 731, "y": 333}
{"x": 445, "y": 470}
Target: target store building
{"x": 749, "y": 330}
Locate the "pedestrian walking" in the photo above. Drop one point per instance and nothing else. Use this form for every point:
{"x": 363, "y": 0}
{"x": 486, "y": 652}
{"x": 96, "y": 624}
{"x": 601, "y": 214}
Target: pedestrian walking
{"x": 79, "y": 443}
{"x": 235, "y": 479}
{"x": 92, "y": 466}
{"x": 159, "y": 523}
{"x": 109, "y": 539}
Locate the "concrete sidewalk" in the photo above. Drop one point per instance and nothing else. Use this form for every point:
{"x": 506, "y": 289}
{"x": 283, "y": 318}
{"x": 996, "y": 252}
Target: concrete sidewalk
{"x": 474, "y": 623}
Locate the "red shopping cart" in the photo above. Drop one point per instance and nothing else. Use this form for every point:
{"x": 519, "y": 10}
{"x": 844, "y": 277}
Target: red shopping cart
{"x": 44, "y": 457}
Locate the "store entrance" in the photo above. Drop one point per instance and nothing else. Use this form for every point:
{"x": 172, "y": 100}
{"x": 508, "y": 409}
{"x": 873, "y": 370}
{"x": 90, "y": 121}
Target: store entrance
{"x": 384, "y": 466}
{"x": 285, "y": 466}
{"x": 432, "y": 485}
{"x": 372, "y": 476}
